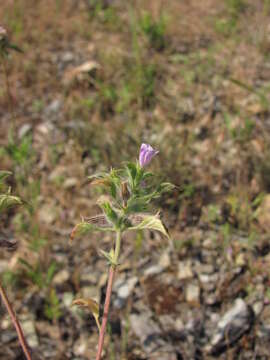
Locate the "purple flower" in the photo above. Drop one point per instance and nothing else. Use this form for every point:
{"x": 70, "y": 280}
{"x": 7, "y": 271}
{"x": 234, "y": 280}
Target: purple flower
{"x": 146, "y": 154}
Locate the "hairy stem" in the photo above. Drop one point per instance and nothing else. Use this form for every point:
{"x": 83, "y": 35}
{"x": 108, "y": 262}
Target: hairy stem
{"x": 108, "y": 296}
{"x": 16, "y": 323}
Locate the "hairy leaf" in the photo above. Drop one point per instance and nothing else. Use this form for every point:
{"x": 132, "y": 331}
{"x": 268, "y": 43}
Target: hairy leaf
{"x": 85, "y": 227}
{"x": 109, "y": 212}
{"x": 151, "y": 222}
{"x": 6, "y": 201}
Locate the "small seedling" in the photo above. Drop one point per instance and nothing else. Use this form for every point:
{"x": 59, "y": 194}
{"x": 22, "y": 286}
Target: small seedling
{"x": 154, "y": 29}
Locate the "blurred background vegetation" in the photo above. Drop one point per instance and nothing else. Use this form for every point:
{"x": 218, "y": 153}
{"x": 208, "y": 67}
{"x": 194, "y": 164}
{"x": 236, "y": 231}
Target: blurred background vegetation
{"x": 95, "y": 80}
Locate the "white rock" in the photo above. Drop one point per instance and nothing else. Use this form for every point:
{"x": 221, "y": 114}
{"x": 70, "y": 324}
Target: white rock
{"x": 61, "y": 277}
{"x": 68, "y": 298}
{"x": 124, "y": 290}
{"x": 47, "y": 214}
{"x": 29, "y": 332}
{"x": 165, "y": 260}
{"x": 153, "y": 270}
{"x": 67, "y": 57}
{"x": 24, "y": 129}
{"x": 184, "y": 270}
{"x": 193, "y": 293}
{"x": 80, "y": 346}
{"x": 70, "y": 183}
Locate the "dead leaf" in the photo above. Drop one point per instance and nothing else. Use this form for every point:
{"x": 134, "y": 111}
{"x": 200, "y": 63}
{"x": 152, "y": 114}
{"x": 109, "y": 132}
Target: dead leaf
{"x": 91, "y": 305}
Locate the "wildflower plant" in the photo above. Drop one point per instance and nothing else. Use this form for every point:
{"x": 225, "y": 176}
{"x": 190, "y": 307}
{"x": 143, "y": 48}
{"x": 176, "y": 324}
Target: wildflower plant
{"x": 7, "y": 200}
{"x": 5, "y": 44}
{"x": 126, "y": 207}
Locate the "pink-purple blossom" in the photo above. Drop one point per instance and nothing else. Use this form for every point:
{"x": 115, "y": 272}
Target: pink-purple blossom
{"x": 146, "y": 154}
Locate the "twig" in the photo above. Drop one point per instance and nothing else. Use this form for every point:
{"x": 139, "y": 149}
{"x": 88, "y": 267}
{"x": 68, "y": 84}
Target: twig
{"x": 108, "y": 296}
{"x": 16, "y": 323}
{"x": 106, "y": 312}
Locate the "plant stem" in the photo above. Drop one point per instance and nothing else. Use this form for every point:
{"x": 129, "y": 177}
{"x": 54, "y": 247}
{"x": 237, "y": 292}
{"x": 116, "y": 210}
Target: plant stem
{"x": 16, "y": 323}
{"x": 108, "y": 296}
{"x": 117, "y": 247}
{"x": 9, "y": 96}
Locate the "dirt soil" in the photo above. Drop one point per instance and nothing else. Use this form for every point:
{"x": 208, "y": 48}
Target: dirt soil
{"x": 95, "y": 80}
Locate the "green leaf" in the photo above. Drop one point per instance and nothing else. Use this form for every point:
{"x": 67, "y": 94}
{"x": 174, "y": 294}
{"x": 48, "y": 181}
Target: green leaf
{"x": 151, "y": 222}
{"x": 4, "y": 174}
{"x": 51, "y": 272}
{"x": 110, "y": 181}
{"x": 132, "y": 170}
{"x": 6, "y": 201}
{"x": 109, "y": 212}
{"x": 165, "y": 187}
{"x": 108, "y": 255}
{"x": 147, "y": 175}
{"x": 136, "y": 205}
{"x": 26, "y": 264}
{"x": 52, "y": 306}
{"x": 101, "y": 175}
{"x": 14, "y": 47}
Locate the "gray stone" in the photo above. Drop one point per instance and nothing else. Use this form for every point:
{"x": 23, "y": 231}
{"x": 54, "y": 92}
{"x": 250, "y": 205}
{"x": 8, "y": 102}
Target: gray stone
{"x": 205, "y": 278}
{"x": 164, "y": 263}
{"x": 29, "y": 330}
{"x": 124, "y": 290}
{"x": 24, "y": 130}
{"x": 70, "y": 183}
{"x": 193, "y": 293}
{"x": 231, "y": 327}
{"x": 211, "y": 299}
{"x": 89, "y": 292}
{"x": 153, "y": 270}
{"x": 150, "y": 336}
{"x": 61, "y": 277}
{"x": 68, "y": 57}
{"x": 89, "y": 277}
{"x": 47, "y": 214}
{"x": 258, "y": 307}
{"x": 184, "y": 270}
{"x": 170, "y": 323}
{"x": 8, "y": 336}
{"x": 204, "y": 268}
{"x": 80, "y": 346}
{"x": 209, "y": 282}
{"x": 67, "y": 299}
{"x": 264, "y": 332}
{"x": 54, "y": 107}
{"x": 165, "y": 260}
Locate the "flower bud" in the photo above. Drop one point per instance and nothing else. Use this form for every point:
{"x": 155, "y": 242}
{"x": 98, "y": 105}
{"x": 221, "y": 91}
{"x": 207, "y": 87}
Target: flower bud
{"x": 146, "y": 154}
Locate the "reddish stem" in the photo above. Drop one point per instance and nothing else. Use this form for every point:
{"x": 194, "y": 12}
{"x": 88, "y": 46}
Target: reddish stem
{"x": 16, "y": 323}
{"x": 106, "y": 312}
